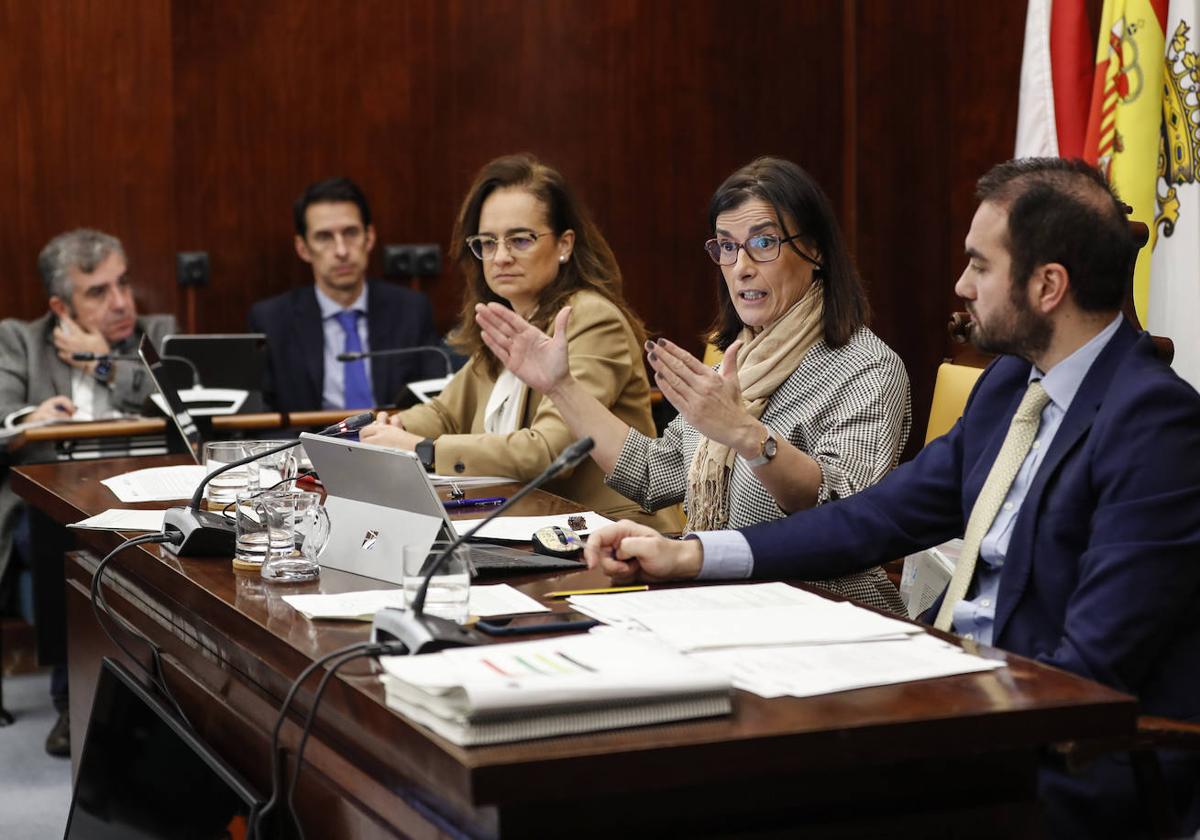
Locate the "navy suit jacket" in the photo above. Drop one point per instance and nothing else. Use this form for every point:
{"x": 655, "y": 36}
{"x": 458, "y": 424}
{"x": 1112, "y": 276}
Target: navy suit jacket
{"x": 1102, "y": 574}
{"x": 295, "y": 377}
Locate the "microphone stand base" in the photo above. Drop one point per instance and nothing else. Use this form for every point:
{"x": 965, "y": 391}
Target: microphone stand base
{"x": 198, "y": 533}
{"x": 421, "y": 633}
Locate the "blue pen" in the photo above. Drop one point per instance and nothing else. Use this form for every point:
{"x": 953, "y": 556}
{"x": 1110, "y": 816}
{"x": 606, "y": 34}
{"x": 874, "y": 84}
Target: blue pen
{"x": 459, "y": 504}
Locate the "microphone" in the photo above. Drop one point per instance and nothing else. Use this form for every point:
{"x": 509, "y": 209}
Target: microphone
{"x": 418, "y": 633}
{"x": 400, "y": 351}
{"x": 192, "y": 532}
{"x": 118, "y": 357}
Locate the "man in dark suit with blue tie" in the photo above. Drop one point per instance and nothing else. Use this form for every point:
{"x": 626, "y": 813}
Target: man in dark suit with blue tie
{"x": 1073, "y": 477}
{"x": 342, "y": 311}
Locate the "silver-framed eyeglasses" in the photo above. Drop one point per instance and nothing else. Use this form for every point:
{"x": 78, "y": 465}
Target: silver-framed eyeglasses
{"x": 484, "y": 247}
{"x": 761, "y": 248}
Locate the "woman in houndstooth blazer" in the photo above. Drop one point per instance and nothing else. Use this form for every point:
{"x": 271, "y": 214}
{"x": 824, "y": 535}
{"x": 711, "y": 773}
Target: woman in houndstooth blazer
{"x": 808, "y": 404}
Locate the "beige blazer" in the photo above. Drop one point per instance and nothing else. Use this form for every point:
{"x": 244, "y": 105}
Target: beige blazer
{"x": 605, "y": 357}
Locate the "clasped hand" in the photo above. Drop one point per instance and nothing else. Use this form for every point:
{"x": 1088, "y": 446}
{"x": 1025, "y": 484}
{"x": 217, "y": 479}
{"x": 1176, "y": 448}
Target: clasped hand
{"x": 627, "y": 551}
{"x": 70, "y": 338}
{"x": 387, "y": 430}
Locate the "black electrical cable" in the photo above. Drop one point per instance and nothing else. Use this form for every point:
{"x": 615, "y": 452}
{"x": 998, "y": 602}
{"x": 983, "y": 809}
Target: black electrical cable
{"x": 308, "y": 722}
{"x": 367, "y": 648}
{"x": 100, "y": 608}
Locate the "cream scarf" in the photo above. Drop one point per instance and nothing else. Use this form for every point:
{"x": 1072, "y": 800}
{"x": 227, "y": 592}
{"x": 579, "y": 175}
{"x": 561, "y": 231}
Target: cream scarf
{"x": 766, "y": 360}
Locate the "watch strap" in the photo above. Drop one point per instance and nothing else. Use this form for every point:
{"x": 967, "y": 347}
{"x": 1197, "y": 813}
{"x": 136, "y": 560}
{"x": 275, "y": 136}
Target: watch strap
{"x": 767, "y": 448}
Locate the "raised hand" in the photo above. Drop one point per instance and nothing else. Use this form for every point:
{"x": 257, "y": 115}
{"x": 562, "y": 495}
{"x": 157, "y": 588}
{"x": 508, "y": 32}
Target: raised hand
{"x": 627, "y": 551}
{"x": 70, "y": 338}
{"x": 711, "y": 401}
{"x": 534, "y": 357}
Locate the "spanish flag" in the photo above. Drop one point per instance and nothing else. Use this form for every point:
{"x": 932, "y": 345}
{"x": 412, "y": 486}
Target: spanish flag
{"x": 1126, "y": 112}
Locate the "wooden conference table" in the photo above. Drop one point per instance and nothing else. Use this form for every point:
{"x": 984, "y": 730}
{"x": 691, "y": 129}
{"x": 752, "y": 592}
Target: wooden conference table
{"x": 925, "y": 758}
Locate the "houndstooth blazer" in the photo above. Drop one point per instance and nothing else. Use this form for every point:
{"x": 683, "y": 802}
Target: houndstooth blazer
{"x": 848, "y": 408}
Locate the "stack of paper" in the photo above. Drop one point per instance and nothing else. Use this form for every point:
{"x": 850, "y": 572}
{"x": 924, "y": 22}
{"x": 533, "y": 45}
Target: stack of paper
{"x": 485, "y": 601}
{"x": 773, "y": 639}
{"x": 509, "y": 692}
{"x": 809, "y": 670}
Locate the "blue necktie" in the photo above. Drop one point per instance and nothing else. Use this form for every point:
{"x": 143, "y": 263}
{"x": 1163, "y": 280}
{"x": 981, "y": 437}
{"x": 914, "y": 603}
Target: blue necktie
{"x": 357, "y": 389}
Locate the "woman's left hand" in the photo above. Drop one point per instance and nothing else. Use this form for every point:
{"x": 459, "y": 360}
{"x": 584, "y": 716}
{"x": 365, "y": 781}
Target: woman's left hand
{"x": 384, "y": 434}
{"x": 711, "y": 401}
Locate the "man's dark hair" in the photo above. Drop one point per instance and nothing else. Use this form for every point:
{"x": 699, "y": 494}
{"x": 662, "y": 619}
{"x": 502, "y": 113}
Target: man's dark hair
{"x": 1063, "y": 211}
{"x": 799, "y": 200}
{"x": 326, "y": 192}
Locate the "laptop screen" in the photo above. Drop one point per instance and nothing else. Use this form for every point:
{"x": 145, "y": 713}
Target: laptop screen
{"x": 142, "y": 773}
{"x": 178, "y": 414}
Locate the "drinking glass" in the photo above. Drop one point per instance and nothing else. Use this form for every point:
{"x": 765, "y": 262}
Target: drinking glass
{"x": 244, "y": 479}
{"x": 449, "y": 590}
{"x": 265, "y": 527}
{"x": 310, "y": 534}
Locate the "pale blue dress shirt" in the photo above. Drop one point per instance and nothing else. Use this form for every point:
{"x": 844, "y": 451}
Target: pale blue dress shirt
{"x": 333, "y": 395}
{"x": 727, "y": 554}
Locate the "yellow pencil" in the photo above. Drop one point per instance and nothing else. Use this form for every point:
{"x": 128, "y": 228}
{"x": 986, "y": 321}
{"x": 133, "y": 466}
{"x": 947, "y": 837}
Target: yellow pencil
{"x": 567, "y": 593}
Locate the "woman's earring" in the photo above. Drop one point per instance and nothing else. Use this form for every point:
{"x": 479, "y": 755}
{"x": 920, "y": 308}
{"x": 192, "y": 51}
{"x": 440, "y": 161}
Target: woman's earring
{"x": 563, "y": 258}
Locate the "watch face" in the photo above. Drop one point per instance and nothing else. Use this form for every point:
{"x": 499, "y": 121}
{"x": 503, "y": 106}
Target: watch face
{"x": 770, "y": 447}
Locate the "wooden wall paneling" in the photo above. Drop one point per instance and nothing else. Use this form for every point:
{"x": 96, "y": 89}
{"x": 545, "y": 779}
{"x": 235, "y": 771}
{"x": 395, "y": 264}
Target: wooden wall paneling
{"x": 645, "y": 106}
{"x": 938, "y": 83}
{"x": 86, "y": 90}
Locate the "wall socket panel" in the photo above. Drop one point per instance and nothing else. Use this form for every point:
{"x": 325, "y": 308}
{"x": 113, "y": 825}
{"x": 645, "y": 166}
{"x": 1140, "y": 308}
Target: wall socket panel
{"x": 412, "y": 260}
{"x": 191, "y": 268}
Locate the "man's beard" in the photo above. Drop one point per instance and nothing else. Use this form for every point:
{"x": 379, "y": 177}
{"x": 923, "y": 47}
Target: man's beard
{"x": 1023, "y": 332}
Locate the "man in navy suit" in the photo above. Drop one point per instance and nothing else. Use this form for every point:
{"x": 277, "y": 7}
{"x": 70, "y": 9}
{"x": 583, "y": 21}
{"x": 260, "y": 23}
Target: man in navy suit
{"x": 342, "y": 311}
{"x": 1089, "y": 559}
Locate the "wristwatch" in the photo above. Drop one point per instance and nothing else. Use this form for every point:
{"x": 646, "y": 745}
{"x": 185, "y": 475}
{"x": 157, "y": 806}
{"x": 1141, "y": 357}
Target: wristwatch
{"x": 424, "y": 449}
{"x": 103, "y": 370}
{"x": 766, "y": 450}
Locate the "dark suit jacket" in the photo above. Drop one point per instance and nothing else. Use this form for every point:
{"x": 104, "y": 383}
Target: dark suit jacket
{"x": 295, "y": 378}
{"x": 1102, "y": 575}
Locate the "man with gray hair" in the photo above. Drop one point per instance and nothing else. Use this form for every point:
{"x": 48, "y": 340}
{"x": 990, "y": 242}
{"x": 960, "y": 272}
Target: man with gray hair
{"x": 92, "y": 310}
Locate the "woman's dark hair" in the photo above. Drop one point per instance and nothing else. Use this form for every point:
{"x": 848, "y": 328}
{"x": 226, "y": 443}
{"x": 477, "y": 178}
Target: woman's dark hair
{"x": 591, "y": 265}
{"x": 798, "y": 201}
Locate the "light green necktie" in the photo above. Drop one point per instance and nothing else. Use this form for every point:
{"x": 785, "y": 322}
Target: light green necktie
{"x": 1017, "y": 442}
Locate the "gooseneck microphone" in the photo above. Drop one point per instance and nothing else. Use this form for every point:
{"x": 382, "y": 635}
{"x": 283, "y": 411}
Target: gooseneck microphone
{"x": 417, "y": 632}
{"x": 192, "y": 532}
{"x": 133, "y": 357}
{"x": 399, "y": 351}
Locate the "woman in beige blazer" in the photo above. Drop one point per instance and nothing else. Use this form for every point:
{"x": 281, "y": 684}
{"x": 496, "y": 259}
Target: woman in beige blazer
{"x": 521, "y": 240}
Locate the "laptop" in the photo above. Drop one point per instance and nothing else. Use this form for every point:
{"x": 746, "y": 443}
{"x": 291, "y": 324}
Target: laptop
{"x": 176, "y": 412}
{"x": 143, "y": 773}
{"x": 381, "y": 499}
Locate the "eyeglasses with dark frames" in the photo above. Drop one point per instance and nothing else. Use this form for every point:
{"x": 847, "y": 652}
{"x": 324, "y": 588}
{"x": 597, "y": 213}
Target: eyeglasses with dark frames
{"x": 761, "y": 248}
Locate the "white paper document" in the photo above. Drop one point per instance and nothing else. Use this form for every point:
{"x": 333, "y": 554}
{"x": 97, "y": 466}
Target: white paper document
{"x": 823, "y": 623}
{"x": 927, "y": 574}
{"x": 809, "y": 670}
{"x": 521, "y": 528}
{"x": 157, "y": 484}
{"x": 485, "y": 601}
{"x": 626, "y": 607}
{"x": 117, "y": 519}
